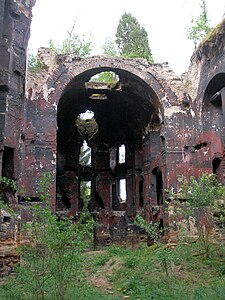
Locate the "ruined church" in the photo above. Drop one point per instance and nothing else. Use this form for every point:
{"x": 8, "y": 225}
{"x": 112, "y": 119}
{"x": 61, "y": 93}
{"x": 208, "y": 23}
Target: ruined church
{"x": 144, "y": 133}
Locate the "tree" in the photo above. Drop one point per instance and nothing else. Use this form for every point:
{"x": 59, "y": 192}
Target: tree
{"x": 73, "y": 43}
{"x": 34, "y": 64}
{"x": 132, "y": 39}
{"x": 109, "y": 48}
{"x": 202, "y": 196}
{"x": 200, "y": 26}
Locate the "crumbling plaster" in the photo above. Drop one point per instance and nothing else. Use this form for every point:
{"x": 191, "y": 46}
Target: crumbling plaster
{"x": 172, "y": 126}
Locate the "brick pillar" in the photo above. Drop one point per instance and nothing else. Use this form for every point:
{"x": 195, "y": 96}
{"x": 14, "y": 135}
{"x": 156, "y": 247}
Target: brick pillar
{"x": 104, "y": 189}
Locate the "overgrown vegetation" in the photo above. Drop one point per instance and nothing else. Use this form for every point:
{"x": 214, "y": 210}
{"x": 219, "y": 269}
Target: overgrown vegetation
{"x": 200, "y": 26}
{"x": 118, "y": 273}
{"x": 54, "y": 264}
{"x": 72, "y": 44}
{"x": 139, "y": 273}
{"x": 203, "y": 200}
{"x": 150, "y": 228}
{"x": 109, "y": 47}
{"x": 132, "y": 39}
{"x": 34, "y": 63}
{"x": 53, "y": 253}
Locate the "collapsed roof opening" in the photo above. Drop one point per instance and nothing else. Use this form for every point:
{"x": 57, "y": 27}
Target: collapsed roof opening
{"x": 87, "y": 115}
{"x": 101, "y": 83}
{"x": 114, "y": 129}
{"x": 121, "y": 117}
{"x": 109, "y": 77}
{"x": 86, "y": 124}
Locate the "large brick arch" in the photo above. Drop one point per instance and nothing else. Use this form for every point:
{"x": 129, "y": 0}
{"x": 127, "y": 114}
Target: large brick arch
{"x": 44, "y": 96}
{"x": 83, "y": 69}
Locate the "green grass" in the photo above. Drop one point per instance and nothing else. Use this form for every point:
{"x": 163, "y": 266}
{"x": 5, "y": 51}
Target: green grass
{"x": 145, "y": 273}
{"x": 181, "y": 273}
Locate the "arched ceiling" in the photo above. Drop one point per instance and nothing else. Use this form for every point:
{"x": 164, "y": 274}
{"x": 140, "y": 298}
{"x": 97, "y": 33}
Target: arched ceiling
{"x": 122, "y": 111}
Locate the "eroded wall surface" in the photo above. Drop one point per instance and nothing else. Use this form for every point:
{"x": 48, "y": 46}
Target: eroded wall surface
{"x": 15, "y": 19}
{"x": 170, "y": 127}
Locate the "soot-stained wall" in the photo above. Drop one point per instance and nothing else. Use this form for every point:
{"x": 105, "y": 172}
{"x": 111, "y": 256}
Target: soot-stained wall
{"x": 15, "y": 19}
{"x": 169, "y": 126}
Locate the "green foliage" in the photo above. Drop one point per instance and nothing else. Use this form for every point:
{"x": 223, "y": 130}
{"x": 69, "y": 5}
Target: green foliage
{"x": 108, "y": 77}
{"x": 131, "y": 262}
{"x": 137, "y": 273}
{"x": 199, "y": 26}
{"x": 44, "y": 186}
{"x": 200, "y": 195}
{"x": 152, "y": 229}
{"x": 165, "y": 257}
{"x": 109, "y": 48}
{"x": 163, "y": 273}
{"x": 34, "y": 63}
{"x": 102, "y": 260}
{"x": 8, "y": 209}
{"x": 73, "y": 43}
{"x": 200, "y": 192}
{"x": 163, "y": 254}
{"x": 55, "y": 252}
{"x": 80, "y": 46}
{"x": 132, "y": 39}
{"x": 9, "y": 183}
{"x": 219, "y": 213}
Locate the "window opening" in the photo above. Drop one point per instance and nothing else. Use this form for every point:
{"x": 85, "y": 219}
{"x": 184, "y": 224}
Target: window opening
{"x": 88, "y": 114}
{"x": 122, "y": 154}
{"x": 215, "y": 91}
{"x": 85, "y": 155}
{"x": 158, "y": 183}
{"x": 113, "y": 159}
{"x": 85, "y": 193}
{"x": 8, "y": 163}
{"x": 216, "y": 167}
{"x": 141, "y": 195}
{"x": 115, "y": 202}
{"x": 123, "y": 190}
{"x": 216, "y": 99}
{"x": 159, "y": 187}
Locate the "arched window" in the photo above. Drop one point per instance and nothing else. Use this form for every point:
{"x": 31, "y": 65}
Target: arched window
{"x": 157, "y": 185}
{"x": 122, "y": 154}
{"x": 85, "y": 155}
{"x": 85, "y": 194}
{"x": 123, "y": 190}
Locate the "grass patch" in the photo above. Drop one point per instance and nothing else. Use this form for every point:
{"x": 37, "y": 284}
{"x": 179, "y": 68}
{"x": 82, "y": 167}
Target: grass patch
{"x": 140, "y": 273}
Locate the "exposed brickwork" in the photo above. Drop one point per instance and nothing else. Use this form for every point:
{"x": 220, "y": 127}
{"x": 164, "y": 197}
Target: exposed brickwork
{"x": 15, "y": 19}
{"x": 170, "y": 126}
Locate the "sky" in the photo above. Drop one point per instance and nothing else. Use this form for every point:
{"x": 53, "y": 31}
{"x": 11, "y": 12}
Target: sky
{"x": 166, "y": 22}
